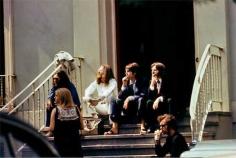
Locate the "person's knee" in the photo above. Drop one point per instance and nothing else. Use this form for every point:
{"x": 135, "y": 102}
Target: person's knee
{"x": 141, "y": 100}
{"x": 114, "y": 118}
{"x": 149, "y": 102}
{"x": 119, "y": 102}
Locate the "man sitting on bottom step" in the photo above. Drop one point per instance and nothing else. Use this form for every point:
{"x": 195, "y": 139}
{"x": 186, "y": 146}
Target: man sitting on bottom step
{"x": 175, "y": 143}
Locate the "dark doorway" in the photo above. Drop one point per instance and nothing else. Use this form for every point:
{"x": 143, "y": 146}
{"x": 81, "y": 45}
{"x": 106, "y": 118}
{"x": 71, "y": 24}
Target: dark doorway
{"x": 156, "y": 30}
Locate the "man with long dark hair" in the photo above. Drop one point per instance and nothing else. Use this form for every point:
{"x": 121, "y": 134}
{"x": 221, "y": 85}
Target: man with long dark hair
{"x": 60, "y": 80}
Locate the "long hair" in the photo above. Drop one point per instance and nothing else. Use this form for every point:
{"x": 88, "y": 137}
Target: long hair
{"x": 64, "y": 80}
{"x": 108, "y": 74}
{"x": 65, "y": 97}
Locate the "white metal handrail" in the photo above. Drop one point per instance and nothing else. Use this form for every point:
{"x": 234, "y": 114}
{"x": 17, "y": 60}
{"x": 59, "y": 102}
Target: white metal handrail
{"x": 30, "y": 103}
{"x": 35, "y": 90}
{"x": 207, "y": 89}
{"x": 28, "y": 86}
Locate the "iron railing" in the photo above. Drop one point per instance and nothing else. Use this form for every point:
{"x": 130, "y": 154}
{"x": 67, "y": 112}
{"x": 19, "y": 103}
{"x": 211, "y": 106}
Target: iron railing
{"x": 30, "y": 104}
{"x": 6, "y": 88}
{"x": 207, "y": 89}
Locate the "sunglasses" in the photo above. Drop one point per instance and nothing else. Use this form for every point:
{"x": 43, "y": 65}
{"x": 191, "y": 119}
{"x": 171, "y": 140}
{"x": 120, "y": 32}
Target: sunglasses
{"x": 163, "y": 125}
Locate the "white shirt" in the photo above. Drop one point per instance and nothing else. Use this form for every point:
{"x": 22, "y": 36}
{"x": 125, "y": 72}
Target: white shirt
{"x": 96, "y": 91}
{"x": 101, "y": 90}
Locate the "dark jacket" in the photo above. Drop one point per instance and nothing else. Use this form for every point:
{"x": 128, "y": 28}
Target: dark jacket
{"x": 138, "y": 90}
{"x": 71, "y": 87}
{"x": 174, "y": 145}
{"x": 152, "y": 94}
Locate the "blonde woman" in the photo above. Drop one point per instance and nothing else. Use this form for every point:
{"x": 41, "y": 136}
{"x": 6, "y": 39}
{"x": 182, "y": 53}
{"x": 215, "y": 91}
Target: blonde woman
{"x": 65, "y": 123}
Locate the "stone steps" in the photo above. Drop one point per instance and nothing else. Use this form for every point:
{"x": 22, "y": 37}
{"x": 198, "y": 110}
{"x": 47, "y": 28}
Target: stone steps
{"x": 122, "y": 156}
{"x": 118, "y": 139}
{"x": 128, "y": 143}
{"x": 125, "y": 149}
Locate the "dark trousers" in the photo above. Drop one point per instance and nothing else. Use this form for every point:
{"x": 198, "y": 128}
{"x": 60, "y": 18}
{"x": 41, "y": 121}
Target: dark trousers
{"x": 135, "y": 109}
{"x": 48, "y": 115}
{"x": 151, "y": 115}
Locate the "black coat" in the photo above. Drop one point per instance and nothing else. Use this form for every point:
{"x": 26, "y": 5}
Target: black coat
{"x": 138, "y": 90}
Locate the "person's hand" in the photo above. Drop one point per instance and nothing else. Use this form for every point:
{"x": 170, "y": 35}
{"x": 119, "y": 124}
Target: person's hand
{"x": 49, "y": 134}
{"x": 126, "y": 102}
{"x": 156, "y": 104}
{"x": 157, "y": 135}
{"x": 44, "y": 129}
{"x": 49, "y": 104}
{"x": 153, "y": 82}
{"x": 125, "y": 81}
{"x": 94, "y": 102}
{"x": 103, "y": 100}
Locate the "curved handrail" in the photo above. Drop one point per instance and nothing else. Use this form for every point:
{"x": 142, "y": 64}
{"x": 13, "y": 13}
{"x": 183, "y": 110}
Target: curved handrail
{"x": 206, "y": 90}
{"x": 198, "y": 81}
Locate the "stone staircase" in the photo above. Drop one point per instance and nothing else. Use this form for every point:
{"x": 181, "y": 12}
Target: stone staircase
{"x": 128, "y": 143}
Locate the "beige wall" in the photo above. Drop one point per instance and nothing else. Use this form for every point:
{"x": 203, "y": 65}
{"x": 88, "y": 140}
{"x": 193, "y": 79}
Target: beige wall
{"x": 93, "y": 36}
{"x": 40, "y": 30}
{"x": 86, "y": 37}
{"x": 84, "y": 28}
{"x": 210, "y": 22}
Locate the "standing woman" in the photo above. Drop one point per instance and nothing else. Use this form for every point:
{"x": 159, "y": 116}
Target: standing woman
{"x": 65, "y": 123}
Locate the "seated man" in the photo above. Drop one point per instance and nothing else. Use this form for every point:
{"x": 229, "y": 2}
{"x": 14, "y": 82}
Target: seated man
{"x": 131, "y": 98}
{"x": 99, "y": 93}
{"x": 157, "y": 99}
{"x": 175, "y": 143}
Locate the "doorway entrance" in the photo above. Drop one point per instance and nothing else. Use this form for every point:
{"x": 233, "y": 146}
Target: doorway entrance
{"x": 150, "y": 31}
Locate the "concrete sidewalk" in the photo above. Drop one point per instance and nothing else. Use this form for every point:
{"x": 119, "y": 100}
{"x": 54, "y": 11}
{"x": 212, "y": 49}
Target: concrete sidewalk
{"x": 213, "y": 148}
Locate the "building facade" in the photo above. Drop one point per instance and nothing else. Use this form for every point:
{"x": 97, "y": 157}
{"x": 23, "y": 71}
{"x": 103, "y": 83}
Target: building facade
{"x": 117, "y": 32}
